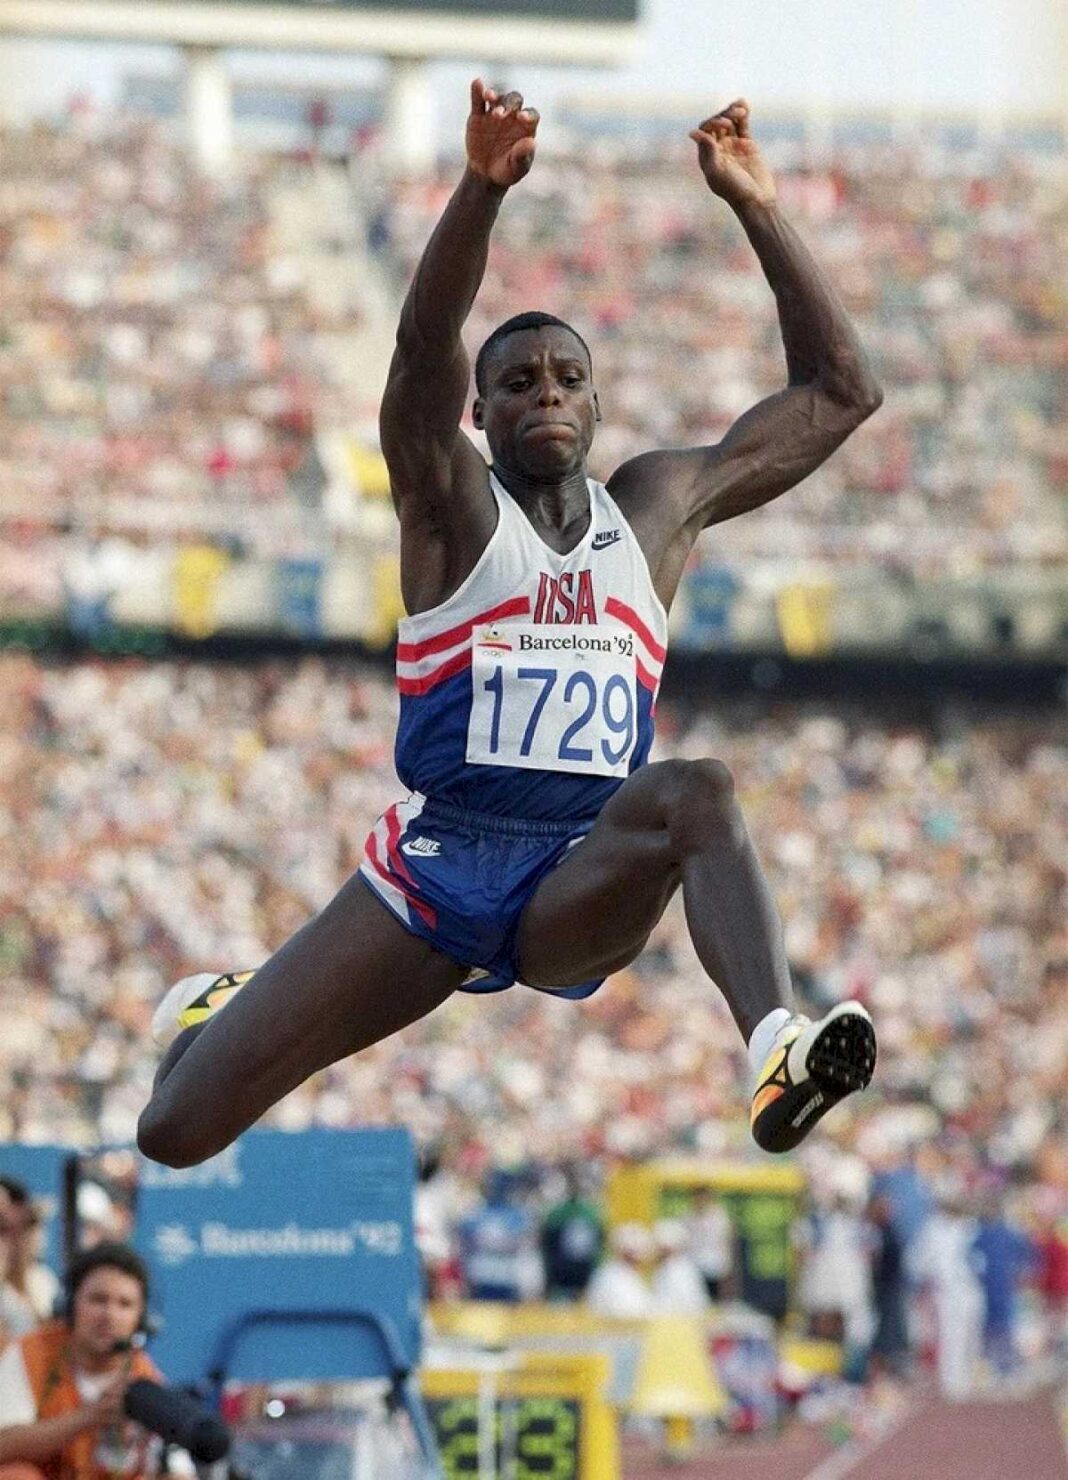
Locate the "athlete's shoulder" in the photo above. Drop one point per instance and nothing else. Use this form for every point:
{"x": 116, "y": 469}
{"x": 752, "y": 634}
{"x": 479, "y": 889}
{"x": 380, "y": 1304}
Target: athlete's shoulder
{"x": 653, "y": 476}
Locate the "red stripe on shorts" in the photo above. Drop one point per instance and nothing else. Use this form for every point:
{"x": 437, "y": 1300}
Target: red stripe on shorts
{"x": 425, "y": 912}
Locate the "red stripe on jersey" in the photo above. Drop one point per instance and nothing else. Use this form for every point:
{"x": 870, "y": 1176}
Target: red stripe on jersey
{"x": 425, "y": 912}
{"x": 616, "y": 608}
{"x": 411, "y": 652}
{"x": 645, "y": 678}
{"x": 438, "y": 675}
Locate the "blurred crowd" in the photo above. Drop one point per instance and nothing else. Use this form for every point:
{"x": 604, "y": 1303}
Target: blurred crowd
{"x": 164, "y": 367}
{"x": 948, "y": 262}
{"x": 901, "y": 1273}
{"x": 164, "y": 818}
{"x": 161, "y": 362}
{"x": 164, "y": 379}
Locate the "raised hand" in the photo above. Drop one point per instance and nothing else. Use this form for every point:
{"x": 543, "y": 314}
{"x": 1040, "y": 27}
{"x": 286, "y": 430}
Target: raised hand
{"x": 730, "y": 160}
{"x": 500, "y": 135}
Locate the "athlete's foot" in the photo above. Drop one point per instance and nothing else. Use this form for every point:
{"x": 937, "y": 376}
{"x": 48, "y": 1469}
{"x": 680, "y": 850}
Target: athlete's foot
{"x": 811, "y": 1067}
{"x": 193, "y": 1000}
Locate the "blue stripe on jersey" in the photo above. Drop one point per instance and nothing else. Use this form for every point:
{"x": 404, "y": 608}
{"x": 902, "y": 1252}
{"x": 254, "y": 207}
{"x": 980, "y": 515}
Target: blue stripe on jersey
{"x": 431, "y": 757}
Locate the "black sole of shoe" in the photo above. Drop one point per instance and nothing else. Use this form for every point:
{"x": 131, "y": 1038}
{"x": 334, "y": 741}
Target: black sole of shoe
{"x": 843, "y": 1056}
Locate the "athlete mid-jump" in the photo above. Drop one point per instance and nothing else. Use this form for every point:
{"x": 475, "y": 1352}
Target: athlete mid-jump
{"x": 536, "y": 844}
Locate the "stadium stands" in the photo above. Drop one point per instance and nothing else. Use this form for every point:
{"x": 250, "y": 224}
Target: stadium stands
{"x": 168, "y": 367}
{"x": 949, "y": 264}
{"x": 179, "y": 382}
{"x": 163, "y": 818}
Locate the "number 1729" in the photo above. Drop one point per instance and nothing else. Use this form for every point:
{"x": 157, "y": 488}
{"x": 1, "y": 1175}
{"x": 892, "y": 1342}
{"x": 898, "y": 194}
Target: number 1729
{"x": 608, "y": 708}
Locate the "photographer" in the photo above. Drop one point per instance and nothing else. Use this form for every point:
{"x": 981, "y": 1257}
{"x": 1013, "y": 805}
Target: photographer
{"x": 62, "y": 1385}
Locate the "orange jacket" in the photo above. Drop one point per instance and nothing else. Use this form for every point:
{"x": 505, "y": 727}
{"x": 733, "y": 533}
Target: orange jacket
{"x": 46, "y": 1357}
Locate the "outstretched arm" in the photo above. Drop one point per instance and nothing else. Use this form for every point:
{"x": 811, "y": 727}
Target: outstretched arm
{"x": 428, "y": 377}
{"x": 830, "y": 387}
{"x": 821, "y": 344}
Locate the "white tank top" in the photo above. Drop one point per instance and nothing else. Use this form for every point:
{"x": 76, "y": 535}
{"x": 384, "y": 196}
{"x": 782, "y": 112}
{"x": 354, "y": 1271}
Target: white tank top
{"x": 530, "y": 691}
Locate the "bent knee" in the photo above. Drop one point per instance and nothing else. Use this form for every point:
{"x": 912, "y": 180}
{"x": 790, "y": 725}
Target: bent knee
{"x": 698, "y": 796}
{"x": 172, "y": 1140}
{"x": 703, "y": 783}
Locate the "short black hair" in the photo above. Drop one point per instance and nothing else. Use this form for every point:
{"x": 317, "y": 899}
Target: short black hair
{"x": 532, "y": 319}
{"x": 105, "y": 1255}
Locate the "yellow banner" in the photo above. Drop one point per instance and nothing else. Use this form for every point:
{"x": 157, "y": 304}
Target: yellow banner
{"x": 806, "y": 618}
{"x": 388, "y": 605}
{"x": 198, "y": 574}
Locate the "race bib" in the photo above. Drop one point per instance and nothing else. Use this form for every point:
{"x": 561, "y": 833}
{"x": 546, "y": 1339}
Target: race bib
{"x": 550, "y": 697}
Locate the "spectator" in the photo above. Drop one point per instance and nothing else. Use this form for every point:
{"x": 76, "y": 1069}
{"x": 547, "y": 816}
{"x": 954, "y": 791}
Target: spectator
{"x": 677, "y": 1286}
{"x": 712, "y": 1243}
{"x": 498, "y": 1252}
{"x": 890, "y": 1343}
{"x": 435, "y": 1217}
{"x": 618, "y": 1287}
{"x": 572, "y": 1241}
{"x": 1052, "y": 1278}
{"x": 909, "y": 1198}
{"x": 944, "y": 1260}
{"x": 1005, "y": 1256}
{"x": 62, "y": 1385}
{"x": 27, "y": 1275}
{"x": 835, "y": 1283}
{"x": 16, "y": 1312}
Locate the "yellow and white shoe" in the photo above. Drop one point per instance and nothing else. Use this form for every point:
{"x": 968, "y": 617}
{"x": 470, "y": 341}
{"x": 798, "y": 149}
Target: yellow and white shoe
{"x": 193, "y": 1000}
{"x": 811, "y": 1067}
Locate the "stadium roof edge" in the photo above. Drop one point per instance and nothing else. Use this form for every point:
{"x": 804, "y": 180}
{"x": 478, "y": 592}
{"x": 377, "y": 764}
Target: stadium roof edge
{"x": 381, "y": 32}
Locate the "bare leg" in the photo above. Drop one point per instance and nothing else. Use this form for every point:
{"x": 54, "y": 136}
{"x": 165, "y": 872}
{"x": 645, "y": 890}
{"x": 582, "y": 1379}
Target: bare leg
{"x": 347, "y": 979}
{"x": 672, "y": 823}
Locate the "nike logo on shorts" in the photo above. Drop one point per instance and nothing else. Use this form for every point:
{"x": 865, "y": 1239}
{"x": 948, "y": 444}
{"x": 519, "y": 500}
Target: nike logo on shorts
{"x": 421, "y": 847}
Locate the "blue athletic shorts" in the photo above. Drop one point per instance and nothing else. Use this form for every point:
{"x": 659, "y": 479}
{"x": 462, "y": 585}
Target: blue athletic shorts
{"x": 461, "y": 881}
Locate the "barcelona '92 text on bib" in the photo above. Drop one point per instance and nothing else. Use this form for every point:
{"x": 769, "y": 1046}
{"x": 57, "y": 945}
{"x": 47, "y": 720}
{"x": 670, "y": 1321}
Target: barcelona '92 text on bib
{"x": 553, "y": 697}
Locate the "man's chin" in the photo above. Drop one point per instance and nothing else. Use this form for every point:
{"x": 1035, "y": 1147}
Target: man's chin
{"x": 551, "y": 460}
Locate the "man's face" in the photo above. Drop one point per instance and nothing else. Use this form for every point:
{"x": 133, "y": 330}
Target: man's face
{"x": 539, "y": 408}
{"x": 22, "y": 1223}
{"x": 107, "y": 1309}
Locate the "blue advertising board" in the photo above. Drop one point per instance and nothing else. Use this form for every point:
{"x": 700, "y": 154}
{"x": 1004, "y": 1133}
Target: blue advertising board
{"x": 299, "y": 596}
{"x": 290, "y": 1256}
{"x": 711, "y": 591}
{"x": 40, "y": 1168}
